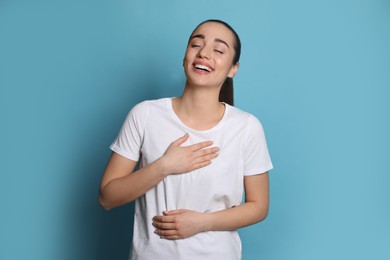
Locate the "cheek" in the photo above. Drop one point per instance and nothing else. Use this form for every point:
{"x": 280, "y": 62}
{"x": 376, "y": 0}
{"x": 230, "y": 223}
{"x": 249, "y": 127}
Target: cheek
{"x": 186, "y": 62}
{"x": 225, "y": 63}
{"x": 187, "y": 65}
{"x": 187, "y": 56}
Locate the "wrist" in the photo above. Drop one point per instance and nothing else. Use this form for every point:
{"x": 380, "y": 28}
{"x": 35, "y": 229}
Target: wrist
{"x": 162, "y": 167}
{"x": 207, "y": 222}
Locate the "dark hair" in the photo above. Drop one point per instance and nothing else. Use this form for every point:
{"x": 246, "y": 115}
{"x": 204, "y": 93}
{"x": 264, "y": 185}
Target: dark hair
{"x": 226, "y": 92}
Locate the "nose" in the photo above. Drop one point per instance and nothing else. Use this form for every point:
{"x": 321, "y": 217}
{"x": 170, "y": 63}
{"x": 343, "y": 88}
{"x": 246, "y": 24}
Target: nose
{"x": 204, "y": 52}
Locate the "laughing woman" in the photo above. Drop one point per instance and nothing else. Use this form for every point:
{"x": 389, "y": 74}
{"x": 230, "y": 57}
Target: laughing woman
{"x": 197, "y": 155}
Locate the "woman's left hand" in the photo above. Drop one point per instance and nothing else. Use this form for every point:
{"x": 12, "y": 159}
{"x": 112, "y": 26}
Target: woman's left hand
{"x": 179, "y": 224}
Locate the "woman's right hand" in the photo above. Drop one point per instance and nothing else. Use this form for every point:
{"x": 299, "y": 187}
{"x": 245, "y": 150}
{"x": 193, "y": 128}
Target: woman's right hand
{"x": 120, "y": 185}
{"x": 181, "y": 159}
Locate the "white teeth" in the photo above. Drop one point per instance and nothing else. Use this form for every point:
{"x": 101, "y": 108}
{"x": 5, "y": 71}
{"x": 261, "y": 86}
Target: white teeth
{"x": 203, "y": 67}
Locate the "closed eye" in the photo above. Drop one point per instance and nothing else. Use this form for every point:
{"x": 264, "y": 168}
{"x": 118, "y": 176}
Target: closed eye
{"x": 221, "y": 52}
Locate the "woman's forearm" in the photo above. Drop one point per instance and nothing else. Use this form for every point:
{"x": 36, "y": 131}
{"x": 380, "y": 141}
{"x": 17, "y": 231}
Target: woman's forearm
{"x": 126, "y": 189}
{"x": 237, "y": 217}
{"x": 252, "y": 211}
{"x": 183, "y": 223}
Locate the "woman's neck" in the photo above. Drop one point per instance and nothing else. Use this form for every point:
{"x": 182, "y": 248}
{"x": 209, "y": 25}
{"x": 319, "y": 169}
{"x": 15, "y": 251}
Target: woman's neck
{"x": 199, "y": 108}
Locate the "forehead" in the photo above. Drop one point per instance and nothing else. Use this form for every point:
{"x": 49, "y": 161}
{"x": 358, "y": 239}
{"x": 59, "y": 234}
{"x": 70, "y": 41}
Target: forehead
{"x": 214, "y": 30}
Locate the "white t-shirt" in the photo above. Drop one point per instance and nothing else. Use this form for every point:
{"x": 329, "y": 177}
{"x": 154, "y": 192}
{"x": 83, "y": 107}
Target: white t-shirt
{"x": 147, "y": 132}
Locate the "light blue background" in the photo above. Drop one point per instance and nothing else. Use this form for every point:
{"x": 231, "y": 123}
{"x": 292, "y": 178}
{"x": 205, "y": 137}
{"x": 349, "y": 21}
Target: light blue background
{"x": 316, "y": 73}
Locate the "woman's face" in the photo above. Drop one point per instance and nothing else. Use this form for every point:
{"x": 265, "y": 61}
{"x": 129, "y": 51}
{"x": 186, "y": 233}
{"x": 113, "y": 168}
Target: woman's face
{"x": 209, "y": 55}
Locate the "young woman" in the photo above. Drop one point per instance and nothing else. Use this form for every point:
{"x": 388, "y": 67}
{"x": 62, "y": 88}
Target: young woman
{"x": 198, "y": 154}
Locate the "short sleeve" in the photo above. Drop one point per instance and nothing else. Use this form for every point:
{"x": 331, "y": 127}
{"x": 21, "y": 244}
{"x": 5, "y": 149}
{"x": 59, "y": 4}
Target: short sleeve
{"x": 129, "y": 141}
{"x": 256, "y": 156}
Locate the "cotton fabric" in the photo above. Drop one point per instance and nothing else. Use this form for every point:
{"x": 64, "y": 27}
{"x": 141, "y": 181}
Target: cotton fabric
{"x": 150, "y": 127}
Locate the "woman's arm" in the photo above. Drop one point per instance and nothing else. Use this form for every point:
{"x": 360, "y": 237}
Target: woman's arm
{"x": 178, "y": 224}
{"x": 119, "y": 185}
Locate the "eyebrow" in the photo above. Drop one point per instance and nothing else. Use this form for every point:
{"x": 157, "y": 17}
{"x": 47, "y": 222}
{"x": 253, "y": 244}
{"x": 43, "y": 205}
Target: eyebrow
{"x": 201, "y": 36}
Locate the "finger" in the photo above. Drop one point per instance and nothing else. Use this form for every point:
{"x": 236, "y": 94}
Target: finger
{"x": 181, "y": 140}
{"x": 164, "y": 219}
{"x": 200, "y": 165}
{"x": 205, "y": 152}
{"x": 201, "y": 145}
{"x": 175, "y": 237}
{"x": 166, "y": 233}
{"x": 174, "y": 212}
{"x": 203, "y": 161}
{"x": 162, "y": 225}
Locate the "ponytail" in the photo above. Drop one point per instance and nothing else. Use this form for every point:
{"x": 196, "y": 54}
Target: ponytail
{"x": 226, "y": 92}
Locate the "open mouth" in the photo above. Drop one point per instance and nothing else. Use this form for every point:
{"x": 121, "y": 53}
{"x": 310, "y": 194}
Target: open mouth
{"x": 203, "y": 67}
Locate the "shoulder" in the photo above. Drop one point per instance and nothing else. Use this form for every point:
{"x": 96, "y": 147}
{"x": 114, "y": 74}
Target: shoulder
{"x": 243, "y": 117}
{"x": 146, "y": 105}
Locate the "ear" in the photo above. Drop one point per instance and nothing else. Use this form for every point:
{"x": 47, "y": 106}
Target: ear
{"x": 233, "y": 70}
